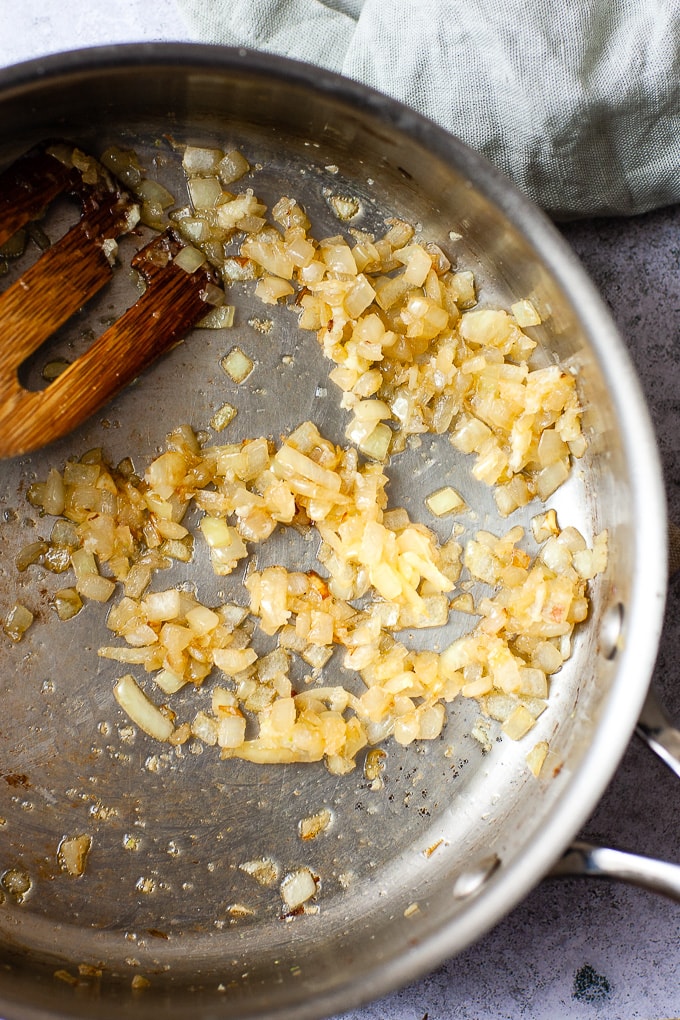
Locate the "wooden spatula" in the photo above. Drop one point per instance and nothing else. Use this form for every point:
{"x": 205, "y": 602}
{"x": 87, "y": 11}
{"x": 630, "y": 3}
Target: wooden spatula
{"x": 64, "y": 278}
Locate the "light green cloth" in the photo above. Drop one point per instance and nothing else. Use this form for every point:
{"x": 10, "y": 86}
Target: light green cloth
{"x": 577, "y": 100}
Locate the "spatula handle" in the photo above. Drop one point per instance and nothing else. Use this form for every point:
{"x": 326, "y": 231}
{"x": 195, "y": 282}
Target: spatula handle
{"x": 29, "y": 185}
{"x": 63, "y": 279}
{"x": 170, "y": 305}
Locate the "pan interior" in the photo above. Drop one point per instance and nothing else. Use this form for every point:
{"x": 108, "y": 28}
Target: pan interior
{"x": 163, "y": 895}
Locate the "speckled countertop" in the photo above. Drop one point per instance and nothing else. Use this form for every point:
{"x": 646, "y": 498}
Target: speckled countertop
{"x": 586, "y": 950}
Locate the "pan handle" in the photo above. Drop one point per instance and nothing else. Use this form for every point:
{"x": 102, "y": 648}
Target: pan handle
{"x": 656, "y": 728}
{"x": 658, "y": 732}
{"x": 584, "y": 859}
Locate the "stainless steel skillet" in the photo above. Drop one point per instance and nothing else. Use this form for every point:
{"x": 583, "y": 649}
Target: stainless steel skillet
{"x": 411, "y": 873}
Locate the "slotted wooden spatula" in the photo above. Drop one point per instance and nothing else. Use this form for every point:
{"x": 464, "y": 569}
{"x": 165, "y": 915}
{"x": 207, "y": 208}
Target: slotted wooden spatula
{"x": 64, "y": 278}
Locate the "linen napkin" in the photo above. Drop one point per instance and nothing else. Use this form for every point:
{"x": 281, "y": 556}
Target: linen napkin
{"x": 579, "y": 103}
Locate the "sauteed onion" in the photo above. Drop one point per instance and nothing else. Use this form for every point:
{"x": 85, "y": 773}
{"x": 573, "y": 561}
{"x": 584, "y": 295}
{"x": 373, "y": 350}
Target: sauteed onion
{"x": 412, "y": 353}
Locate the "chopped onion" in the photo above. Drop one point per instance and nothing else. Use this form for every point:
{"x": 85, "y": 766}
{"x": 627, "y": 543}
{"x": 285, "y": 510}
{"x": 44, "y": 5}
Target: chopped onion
{"x": 67, "y": 603}
{"x": 409, "y": 347}
{"x": 220, "y": 317}
{"x": 222, "y": 417}
{"x": 141, "y": 710}
{"x": 213, "y": 295}
{"x": 198, "y": 160}
{"x": 297, "y": 888}
{"x": 377, "y": 443}
{"x": 313, "y": 825}
{"x": 17, "y": 621}
{"x": 153, "y": 193}
{"x": 32, "y": 553}
{"x": 518, "y": 723}
{"x": 444, "y": 501}
{"x": 168, "y": 681}
{"x": 237, "y": 365}
{"x": 95, "y": 587}
{"x": 525, "y": 313}
{"x": 537, "y": 755}
{"x": 189, "y": 259}
{"x": 271, "y": 289}
{"x": 205, "y": 192}
{"x": 232, "y": 167}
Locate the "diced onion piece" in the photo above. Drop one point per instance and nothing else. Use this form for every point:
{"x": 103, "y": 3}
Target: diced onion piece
{"x": 444, "y": 501}
{"x": 154, "y": 193}
{"x": 537, "y": 755}
{"x": 545, "y": 525}
{"x": 95, "y": 587}
{"x": 588, "y": 563}
{"x": 219, "y": 317}
{"x": 137, "y": 580}
{"x": 53, "y": 502}
{"x": 141, "y": 710}
{"x": 371, "y": 410}
{"x": 272, "y": 256}
{"x": 418, "y": 264}
{"x": 202, "y": 620}
{"x": 518, "y": 723}
{"x": 525, "y": 313}
{"x": 432, "y": 612}
{"x": 205, "y": 728}
{"x": 234, "y": 660}
{"x": 200, "y": 160}
{"x": 222, "y": 417}
{"x": 462, "y": 288}
{"x": 313, "y": 825}
{"x": 124, "y": 164}
{"x": 189, "y": 259}
{"x": 359, "y": 297}
{"x": 195, "y": 229}
{"x": 205, "y": 192}
{"x": 67, "y": 603}
{"x": 162, "y": 605}
{"x": 17, "y": 621}
{"x": 213, "y": 295}
{"x": 217, "y": 533}
{"x": 32, "y": 553}
{"x": 264, "y": 870}
{"x": 271, "y": 289}
{"x": 377, "y": 443}
{"x": 463, "y": 603}
{"x": 297, "y": 888}
{"x": 168, "y": 681}
{"x": 131, "y": 656}
{"x": 237, "y": 365}
{"x": 231, "y": 729}
{"x": 345, "y": 207}
{"x": 551, "y": 448}
{"x": 232, "y": 167}
{"x": 550, "y": 478}
{"x": 79, "y": 473}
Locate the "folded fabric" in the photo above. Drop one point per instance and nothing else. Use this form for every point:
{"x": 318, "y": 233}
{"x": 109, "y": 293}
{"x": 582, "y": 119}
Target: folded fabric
{"x": 578, "y": 103}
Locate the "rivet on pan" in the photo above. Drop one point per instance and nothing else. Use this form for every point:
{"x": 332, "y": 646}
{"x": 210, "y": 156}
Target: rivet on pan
{"x": 611, "y": 631}
{"x": 471, "y": 881}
